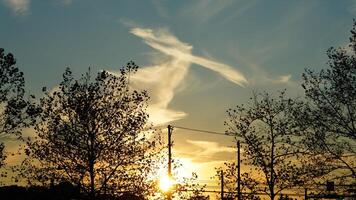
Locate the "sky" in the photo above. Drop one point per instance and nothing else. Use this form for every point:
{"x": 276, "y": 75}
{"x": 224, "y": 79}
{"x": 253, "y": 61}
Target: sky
{"x": 197, "y": 58}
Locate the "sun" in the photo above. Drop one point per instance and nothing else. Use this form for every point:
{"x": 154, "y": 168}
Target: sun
{"x": 166, "y": 183}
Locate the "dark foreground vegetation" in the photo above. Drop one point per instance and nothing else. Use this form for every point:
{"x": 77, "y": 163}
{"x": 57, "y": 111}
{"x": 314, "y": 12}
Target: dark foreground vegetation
{"x": 62, "y": 191}
{"x": 93, "y": 139}
{"x": 59, "y": 192}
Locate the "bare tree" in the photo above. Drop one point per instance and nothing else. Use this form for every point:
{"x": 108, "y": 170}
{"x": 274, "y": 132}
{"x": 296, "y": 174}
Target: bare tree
{"x": 93, "y": 134}
{"x": 330, "y": 112}
{"x": 249, "y": 186}
{"x": 270, "y": 140}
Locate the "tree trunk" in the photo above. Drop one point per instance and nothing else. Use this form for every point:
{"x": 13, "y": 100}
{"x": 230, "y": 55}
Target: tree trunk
{"x": 271, "y": 185}
{"x": 91, "y": 167}
{"x": 92, "y": 176}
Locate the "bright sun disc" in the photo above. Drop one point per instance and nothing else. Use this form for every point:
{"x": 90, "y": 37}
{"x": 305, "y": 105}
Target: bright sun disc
{"x": 165, "y": 183}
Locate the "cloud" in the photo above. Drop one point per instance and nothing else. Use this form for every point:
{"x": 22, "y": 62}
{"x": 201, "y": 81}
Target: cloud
{"x": 241, "y": 9}
{"x": 225, "y": 70}
{"x": 164, "y": 78}
{"x": 66, "y": 2}
{"x": 205, "y": 170}
{"x": 168, "y": 44}
{"x": 352, "y": 7}
{"x": 161, "y": 81}
{"x": 127, "y": 22}
{"x": 204, "y": 10}
{"x": 210, "y": 148}
{"x": 283, "y": 79}
{"x": 160, "y": 8}
{"x": 19, "y": 7}
{"x": 203, "y": 157}
{"x": 255, "y": 62}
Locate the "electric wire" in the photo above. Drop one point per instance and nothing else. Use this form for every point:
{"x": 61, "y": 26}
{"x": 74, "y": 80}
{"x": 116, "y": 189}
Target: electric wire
{"x": 204, "y": 131}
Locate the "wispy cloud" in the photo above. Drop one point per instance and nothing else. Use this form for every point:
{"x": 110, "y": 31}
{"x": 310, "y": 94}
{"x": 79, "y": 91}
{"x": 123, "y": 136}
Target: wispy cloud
{"x": 210, "y": 148}
{"x": 297, "y": 12}
{"x": 19, "y": 7}
{"x": 255, "y": 62}
{"x": 163, "y": 79}
{"x": 203, "y": 157}
{"x": 163, "y": 41}
{"x": 160, "y": 8}
{"x": 352, "y": 7}
{"x": 203, "y": 10}
{"x": 283, "y": 79}
{"x": 241, "y": 9}
{"x": 66, "y": 2}
{"x": 22, "y": 7}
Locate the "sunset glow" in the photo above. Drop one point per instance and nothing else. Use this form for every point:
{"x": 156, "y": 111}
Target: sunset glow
{"x": 177, "y": 100}
{"x": 166, "y": 183}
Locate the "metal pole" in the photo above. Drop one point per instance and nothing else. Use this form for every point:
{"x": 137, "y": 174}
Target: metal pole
{"x": 238, "y": 171}
{"x": 169, "y": 194}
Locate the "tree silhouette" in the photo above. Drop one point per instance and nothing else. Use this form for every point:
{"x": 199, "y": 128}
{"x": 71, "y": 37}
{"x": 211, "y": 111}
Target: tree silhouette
{"x": 270, "y": 140}
{"x": 92, "y": 134}
{"x": 330, "y": 113}
{"x": 12, "y": 103}
{"x": 190, "y": 189}
{"x": 248, "y": 185}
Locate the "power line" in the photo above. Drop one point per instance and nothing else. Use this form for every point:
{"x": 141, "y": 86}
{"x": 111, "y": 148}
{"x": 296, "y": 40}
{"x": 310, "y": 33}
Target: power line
{"x": 216, "y": 133}
{"x": 203, "y": 131}
{"x": 233, "y": 192}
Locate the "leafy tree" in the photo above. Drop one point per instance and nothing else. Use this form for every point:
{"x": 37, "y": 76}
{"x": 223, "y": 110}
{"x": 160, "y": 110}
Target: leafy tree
{"x": 249, "y": 186}
{"x": 12, "y": 103}
{"x": 93, "y": 134}
{"x": 330, "y": 113}
{"x": 270, "y": 140}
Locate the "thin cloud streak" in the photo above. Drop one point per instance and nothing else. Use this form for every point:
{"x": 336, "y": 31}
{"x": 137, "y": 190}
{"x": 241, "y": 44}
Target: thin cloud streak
{"x": 204, "y": 10}
{"x": 260, "y": 75}
{"x": 19, "y": 7}
{"x": 241, "y": 9}
{"x": 210, "y": 148}
{"x": 66, "y": 2}
{"x": 225, "y": 70}
{"x": 160, "y": 8}
{"x": 284, "y": 79}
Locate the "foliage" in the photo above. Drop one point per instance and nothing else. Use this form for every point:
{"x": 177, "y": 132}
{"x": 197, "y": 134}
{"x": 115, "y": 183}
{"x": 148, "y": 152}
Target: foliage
{"x": 270, "y": 141}
{"x": 330, "y": 113}
{"x": 61, "y": 191}
{"x": 12, "y": 103}
{"x": 93, "y": 133}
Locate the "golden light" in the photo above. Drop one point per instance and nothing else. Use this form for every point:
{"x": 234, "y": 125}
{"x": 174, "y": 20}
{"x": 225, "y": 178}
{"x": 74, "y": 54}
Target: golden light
{"x": 166, "y": 183}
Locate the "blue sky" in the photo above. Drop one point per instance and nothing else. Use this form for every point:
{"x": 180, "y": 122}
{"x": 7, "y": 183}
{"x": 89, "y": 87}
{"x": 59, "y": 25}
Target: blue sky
{"x": 199, "y": 57}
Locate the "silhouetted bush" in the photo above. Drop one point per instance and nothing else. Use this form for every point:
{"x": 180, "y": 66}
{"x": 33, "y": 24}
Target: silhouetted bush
{"x": 62, "y": 191}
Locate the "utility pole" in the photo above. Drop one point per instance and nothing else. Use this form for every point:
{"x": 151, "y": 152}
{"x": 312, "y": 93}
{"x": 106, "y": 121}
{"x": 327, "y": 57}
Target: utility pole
{"x": 222, "y": 184}
{"x": 170, "y": 129}
{"x": 238, "y": 171}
